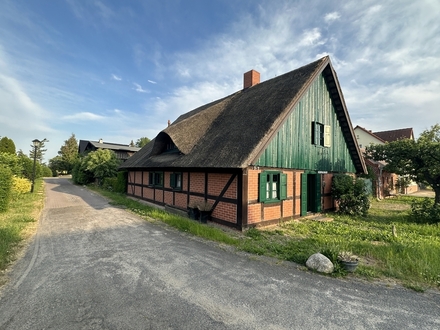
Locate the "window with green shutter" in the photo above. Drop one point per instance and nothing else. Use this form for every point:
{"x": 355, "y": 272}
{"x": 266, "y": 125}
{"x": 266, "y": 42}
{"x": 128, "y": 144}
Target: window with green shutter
{"x": 176, "y": 181}
{"x": 155, "y": 179}
{"x": 273, "y": 186}
{"x": 321, "y": 134}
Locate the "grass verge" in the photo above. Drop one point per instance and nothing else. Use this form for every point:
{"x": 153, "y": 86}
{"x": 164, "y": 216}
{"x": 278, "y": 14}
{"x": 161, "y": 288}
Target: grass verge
{"x": 19, "y": 222}
{"x": 407, "y": 254}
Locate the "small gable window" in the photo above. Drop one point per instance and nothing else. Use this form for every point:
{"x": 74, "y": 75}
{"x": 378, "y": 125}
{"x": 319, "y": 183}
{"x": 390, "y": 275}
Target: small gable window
{"x": 321, "y": 134}
{"x": 171, "y": 146}
{"x": 155, "y": 179}
{"x": 273, "y": 186}
{"x": 176, "y": 181}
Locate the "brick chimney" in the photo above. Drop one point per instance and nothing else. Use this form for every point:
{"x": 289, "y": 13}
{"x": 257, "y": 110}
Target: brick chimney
{"x": 251, "y": 78}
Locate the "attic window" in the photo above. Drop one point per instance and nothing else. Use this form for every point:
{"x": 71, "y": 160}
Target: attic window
{"x": 321, "y": 134}
{"x": 171, "y": 147}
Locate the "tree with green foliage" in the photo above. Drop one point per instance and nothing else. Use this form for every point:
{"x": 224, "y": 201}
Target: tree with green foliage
{"x": 40, "y": 151}
{"x": 97, "y": 165}
{"x": 7, "y": 145}
{"x": 102, "y": 163}
{"x": 68, "y": 153}
{"x": 27, "y": 166}
{"x": 142, "y": 141}
{"x": 418, "y": 159}
{"x": 56, "y": 164}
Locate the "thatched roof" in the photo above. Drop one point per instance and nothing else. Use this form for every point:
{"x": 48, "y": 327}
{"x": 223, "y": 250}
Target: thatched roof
{"x": 231, "y": 132}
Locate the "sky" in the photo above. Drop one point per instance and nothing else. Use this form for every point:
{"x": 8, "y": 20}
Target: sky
{"x": 119, "y": 70}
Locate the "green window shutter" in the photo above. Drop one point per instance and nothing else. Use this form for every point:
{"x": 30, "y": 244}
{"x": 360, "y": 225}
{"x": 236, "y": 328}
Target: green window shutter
{"x": 263, "y": 181}
{"x": 314, "y": 132}
{"x": 283, "y": 186}
{"x": 327, "y": 136}
{"x": 172, "y": 180}
{"x": 303, "y": 194}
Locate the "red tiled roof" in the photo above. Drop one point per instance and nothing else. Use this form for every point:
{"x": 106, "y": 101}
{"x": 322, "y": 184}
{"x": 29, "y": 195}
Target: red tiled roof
{"x": 397, "y": 134}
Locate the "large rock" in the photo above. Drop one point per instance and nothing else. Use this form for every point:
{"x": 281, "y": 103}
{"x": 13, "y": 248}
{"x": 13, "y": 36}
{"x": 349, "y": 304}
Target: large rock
{"x": 320, "y": 263}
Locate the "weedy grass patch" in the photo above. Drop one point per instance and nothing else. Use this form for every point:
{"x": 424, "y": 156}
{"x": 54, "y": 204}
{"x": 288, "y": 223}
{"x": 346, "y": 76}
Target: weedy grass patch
{"x": 19, "y": 221}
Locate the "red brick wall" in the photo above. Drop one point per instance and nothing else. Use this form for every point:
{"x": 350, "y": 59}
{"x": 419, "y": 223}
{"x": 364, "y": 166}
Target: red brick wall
{"x": 138, "y": 177}
{"x": 197, "y": 181}
{"x": 148, "y": 193}
{"x": 225, "y": 211}
{"x": 253, "y": 185}
{"x": 145, "y": 178}
{"x": 272, "y": 212}
{"x": 217, "y": 182}
{"x": 168, "y": 197}
{"x": 254, "y": 213}
{"x": 180, "y": 200}
{"x": 288, "y": 208}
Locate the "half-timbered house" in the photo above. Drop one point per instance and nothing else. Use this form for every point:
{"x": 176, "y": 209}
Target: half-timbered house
{"x": 263, "y": 154}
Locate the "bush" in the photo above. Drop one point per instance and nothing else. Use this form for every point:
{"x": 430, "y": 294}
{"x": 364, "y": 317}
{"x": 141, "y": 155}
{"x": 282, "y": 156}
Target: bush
{"x": 351, "y": 194}
{"x": 342, "y": 184}
{"x": 116, "y": 184}
{"x": 80, "y": 175}
{"x": 5, "y": 187}
{"x": 12, "y": 162}
{"x": 122, "y": 182}
{"x": 46, "y": 171}
{"x": 110, "y": 184}
{"x": 425, "y": 211}
{"x": 20, "y": 186}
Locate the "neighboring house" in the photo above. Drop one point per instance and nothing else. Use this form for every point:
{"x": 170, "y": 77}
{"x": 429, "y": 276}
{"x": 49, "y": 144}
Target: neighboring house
{"x": 385, "y": 184}
{"x": 264, "y": 154}
{"x": 123, "y": 151}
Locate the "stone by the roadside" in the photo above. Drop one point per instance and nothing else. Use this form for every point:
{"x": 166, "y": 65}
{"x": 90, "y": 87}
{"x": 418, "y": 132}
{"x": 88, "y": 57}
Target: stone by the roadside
{"x": 320, "y": 263}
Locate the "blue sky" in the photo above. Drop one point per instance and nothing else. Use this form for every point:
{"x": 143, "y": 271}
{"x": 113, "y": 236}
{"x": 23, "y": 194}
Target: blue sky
{"x": 119, "y": 70}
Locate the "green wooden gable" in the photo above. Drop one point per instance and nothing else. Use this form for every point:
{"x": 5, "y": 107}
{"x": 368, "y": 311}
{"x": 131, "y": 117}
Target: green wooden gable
{"x": 311, "y": 137}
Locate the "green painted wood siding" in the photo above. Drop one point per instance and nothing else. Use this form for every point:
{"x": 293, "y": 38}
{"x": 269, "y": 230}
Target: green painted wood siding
{"x": 292, "y": 145}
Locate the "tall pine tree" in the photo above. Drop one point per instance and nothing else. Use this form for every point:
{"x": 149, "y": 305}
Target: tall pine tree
{"x": 69, "y": 153}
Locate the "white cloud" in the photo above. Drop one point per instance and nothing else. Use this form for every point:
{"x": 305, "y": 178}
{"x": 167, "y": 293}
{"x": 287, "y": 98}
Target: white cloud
{"x": 139, "y": 88}
{"x": 86, "y": 116}
{"x": 152, "y": 82}
{"x": 330, "y": 17}
{"x": 311, "y": 37}
{"x": 115, "y": 77}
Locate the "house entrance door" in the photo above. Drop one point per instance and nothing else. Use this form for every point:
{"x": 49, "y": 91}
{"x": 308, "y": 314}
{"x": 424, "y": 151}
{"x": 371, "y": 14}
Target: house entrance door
{"x": 310, "y": 193}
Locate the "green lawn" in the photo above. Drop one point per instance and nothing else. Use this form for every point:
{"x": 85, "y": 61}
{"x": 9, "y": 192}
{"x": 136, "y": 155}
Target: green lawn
{"x": 411, "y": 257}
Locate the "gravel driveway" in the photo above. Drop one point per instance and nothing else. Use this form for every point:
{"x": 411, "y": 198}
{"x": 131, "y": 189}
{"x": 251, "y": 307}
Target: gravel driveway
{"x": 94, "y": 266}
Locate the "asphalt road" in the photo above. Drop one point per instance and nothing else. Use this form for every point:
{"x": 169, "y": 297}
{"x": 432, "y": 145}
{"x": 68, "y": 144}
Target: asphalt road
{"x": 94, "y": 266}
